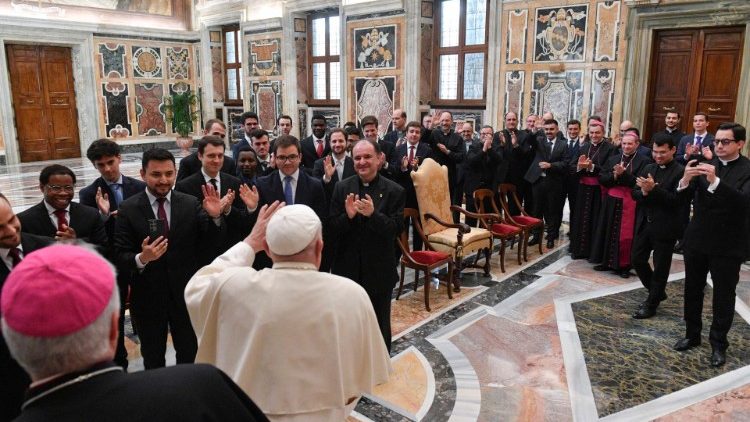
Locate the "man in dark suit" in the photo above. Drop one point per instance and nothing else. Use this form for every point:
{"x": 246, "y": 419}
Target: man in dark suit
{"x": 546, "y": 174}
{"x": 14, "y": 245}
{"x": 315, "y": 146}
{"x": 160, "y": 235}
{"x": 656, "y": 229}
{"x": 249, "y": 124}
{"x": 479, "y": 168}
{"x": 407, "y": 158}
{"x": 575, "y": 141}
{"x": 192, "y": 164}
{"x": 287, "y": 184}
{"x": 211, "y": 154}
{"x": 367, "y": 214}
{"x": 106, "y": 193}
{"x": 697, "y": 145}
{"x": 672, "y": 121}
{"x": 261, "y": 145}
{"x": 69, "y": 356}
{"x": 448, "y": 150}
{"x": 57, "y": 216}
{"x": 397, "y": 136}
{"x": 370, "y": 132}
{"x": 516, "y": 145}
{"x": 717, "y": 240}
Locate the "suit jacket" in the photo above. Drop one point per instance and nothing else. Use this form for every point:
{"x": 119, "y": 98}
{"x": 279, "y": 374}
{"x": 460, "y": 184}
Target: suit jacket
{"x": 367, "y": 245}
{"x": 517, "y": 159}
{"x": 235, "y": 150}
{"x": 87, "y": 196}
{"x": 556, "y": 156}
{"x": 192, "y": 164}
{"x": 86, "y": 222}
{"x": 403, "y": 177}
{"x": 456, "y": 152}
{"x": 707, "y": 141}
{"x": 191, "y": 232}
{"x": 309, "y": 192}
{"x": 393, "y": 137}
{"x": 479, "y": 169}
{"x": 627, "y": 178}
{"x": 319, "y": 172}
{"x": 657, "y": 211}
{"x": 676, "y": 135}
{"x": 14, "y": 378}
{"x": 203, "y": 392}
{"x": 238, "y": 221}
{"x": 721, "y": 221}
{"x": 310, "y": 154}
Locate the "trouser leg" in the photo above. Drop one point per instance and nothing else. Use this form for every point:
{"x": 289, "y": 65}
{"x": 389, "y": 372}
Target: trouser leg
{"x": 696, "y": 270}
{"x": 725, "y": 273}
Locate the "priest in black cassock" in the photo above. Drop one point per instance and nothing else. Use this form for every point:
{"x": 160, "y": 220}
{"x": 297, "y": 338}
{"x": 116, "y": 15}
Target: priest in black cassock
{"x": 592, "y": 156}
{"x": 613, "y": 237}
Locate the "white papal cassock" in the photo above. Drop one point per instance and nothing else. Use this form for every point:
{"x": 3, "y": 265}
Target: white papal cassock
{"x": 301, "y": 343}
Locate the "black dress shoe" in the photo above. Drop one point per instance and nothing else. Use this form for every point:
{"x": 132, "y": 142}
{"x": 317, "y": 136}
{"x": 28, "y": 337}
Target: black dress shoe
{"x": 718, "y": 358}
{"x": 686, "y": 344}
{"x": 678, "y": 247}
{"x": 601, "y": 267}
{"x": 644, "y": 312}
{"x": 534, "y": 241}
{"x": 625, "y": 273}
{"x": 550, "y": 244}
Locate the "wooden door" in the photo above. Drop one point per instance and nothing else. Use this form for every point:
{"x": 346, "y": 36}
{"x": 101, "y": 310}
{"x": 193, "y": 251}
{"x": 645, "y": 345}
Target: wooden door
{"x": 694, "y": 70}
{"x": 44, "y": 102}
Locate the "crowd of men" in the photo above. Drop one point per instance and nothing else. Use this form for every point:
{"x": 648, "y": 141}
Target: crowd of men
{"x": 213, "y": 252}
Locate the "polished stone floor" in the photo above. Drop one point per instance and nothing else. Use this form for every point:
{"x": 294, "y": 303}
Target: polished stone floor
{"x": 547, "y": 340}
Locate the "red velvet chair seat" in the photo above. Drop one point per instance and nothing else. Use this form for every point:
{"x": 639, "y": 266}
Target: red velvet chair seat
{"x": 428, "y": 257}
{"x": 505, "y": 229}
{"x": 526, "y": 220}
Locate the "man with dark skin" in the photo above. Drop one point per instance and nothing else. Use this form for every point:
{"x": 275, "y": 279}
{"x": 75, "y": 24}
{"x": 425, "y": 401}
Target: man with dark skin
{"x": 315, "y": 146}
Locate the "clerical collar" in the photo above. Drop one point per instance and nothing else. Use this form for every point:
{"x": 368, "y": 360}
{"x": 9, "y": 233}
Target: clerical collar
{"x": 37, "y": 392}
{"x": 729, "y": 161}
{"x": 663, "y": 166}
{"x": 371, "y": 182}
{"x": 289, "y": 265}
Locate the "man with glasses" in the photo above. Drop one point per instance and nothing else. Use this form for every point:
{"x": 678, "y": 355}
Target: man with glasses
{"x": 192, "y": 164}
{"x": 717, "y": 240}
{"x": 57, "y": 216}
{"x": 286, "y": 184}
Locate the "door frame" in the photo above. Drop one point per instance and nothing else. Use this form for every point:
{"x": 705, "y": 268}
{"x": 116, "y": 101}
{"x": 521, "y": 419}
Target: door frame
{"x": 643, "y": 21}
{"x": 82, "y": 60}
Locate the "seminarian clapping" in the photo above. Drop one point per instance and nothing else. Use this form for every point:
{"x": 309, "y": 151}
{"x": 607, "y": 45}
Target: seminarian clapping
{"x": 304, "y": 343}
{"x": 60, "y": 308}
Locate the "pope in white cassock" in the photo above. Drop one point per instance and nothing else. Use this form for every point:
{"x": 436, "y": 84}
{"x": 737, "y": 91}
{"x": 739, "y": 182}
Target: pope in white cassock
{"x": 304, "y": 345}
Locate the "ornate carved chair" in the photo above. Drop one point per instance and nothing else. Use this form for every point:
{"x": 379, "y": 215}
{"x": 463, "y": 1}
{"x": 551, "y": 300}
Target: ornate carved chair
{"x": 435, "y": 209}
{"x": 523, "y": 220}
{"x": 426, "y": 260}
{"x": 484, "y": 200}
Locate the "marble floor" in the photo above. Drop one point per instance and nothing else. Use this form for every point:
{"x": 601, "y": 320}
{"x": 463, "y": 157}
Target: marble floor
{"x": 547, "y": 340}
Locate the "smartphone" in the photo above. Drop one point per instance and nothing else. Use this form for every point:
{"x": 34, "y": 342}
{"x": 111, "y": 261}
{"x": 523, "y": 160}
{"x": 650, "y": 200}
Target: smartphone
{"x": 155, "y": 228}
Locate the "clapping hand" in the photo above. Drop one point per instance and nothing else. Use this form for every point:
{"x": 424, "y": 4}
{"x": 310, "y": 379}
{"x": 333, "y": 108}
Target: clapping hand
{"x": 249, "y": 196}
{"x": 102, "y": 201}
{"x": 349, "y": 206}
{"x": 66, "y": 233}
{"x": 328, "y": 167}
{"x": 211, "y": 201}
{"x": 646, "y": 184}
{"x": 226, "y": 201}
{"x": 364, "y": 206}
{"x": 618, "y": 169}
{"x": 707, "y": 153}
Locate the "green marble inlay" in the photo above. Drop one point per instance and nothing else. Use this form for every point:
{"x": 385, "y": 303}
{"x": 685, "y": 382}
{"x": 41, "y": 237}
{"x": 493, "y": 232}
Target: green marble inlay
{"x": 631, "y": 362}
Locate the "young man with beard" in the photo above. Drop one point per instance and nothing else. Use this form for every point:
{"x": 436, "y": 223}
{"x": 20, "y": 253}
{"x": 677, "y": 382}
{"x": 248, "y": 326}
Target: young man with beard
{"x": 672, "y": 121}
{"x": 261, "y": 145}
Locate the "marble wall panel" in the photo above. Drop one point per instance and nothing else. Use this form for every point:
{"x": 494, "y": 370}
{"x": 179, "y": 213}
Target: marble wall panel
{"x": 332, "y": 115}
{"x": 265, "y": 100}
{"x": 112, "y": 57}
{"x": 302, "y": 116}
{"x": 301, "y": 52}
{"x": 518, "y": 23}
{"x": 425, "y": 83}
{"x": 603, "y": 95}
{"x": 375, "y": 96}
{"x": 235, "y": 123}
{"x": 217, "y": 73}
{"x": 607, "y": 30}
{"x": 561, "y": 94}
{"x": 514, "y": 83}
{"x": 560, "y": 34}
{"x": 147, "y": 62}
{"x": 473, "y": 117}
{"x": 115, "y": 106}
{"x": 197, "y": 55}
{"x": 375, "y": 47}
{"x": 265, "y": 57}
{"x": 178, "y": 62}
{"x": 149, "y": 102}
{"x": 427, "y": 9}
{"x": 214, "y": 36}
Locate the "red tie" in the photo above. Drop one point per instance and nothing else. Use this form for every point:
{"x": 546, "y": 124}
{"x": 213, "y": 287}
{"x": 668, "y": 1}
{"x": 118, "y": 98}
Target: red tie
{"x": 61, "y": 220}
{"x": 15, "y": 256}
{"x": 161, "y": 213}
{"x": 411, "y": 154}
{"x": 319, "y": 149}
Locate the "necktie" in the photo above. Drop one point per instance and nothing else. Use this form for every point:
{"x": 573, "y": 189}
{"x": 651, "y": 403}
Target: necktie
{"x": 319, "y": 149}
{"x": 288, "y": 196}
{"x": 213, "y": 183}
{"x": 117, "y": 190}
{"x": 572, "y": 143}
{"x": 411, "y": 154}
{"x": 161, "y": 213}
{"x": 340, "y": 169}
{"x": 15, "y": 256}
{"x": 698, "y": 140}
{"x": 61, "y": 219}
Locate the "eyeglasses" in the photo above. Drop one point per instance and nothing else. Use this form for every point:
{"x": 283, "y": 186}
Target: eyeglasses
{"x": 283, "y": 158}
{"x": 58, "y": 188}
{"x": 723, "y": 141}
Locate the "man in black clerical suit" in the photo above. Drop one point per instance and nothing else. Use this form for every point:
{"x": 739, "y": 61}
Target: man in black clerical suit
{"x": 656, "y": 228}
{"x": 547, "y": 175}
{"x": 370, "y": 132}
{"x": 14, "y": 246}
{"x": 69, "y": 355}
{"x": 478, "y": 171}
{"x": 57, "y": 216}
{"x": 448, "y": 150}
{"x": 160, "y": 236}
{"x": 315, "y": 146}
{"x": 717, "y": 240}
{"x": 516, "y": 145}
{"x": 192, "y": 164}
{"x": 367, "y": 214}
{"x": 672, "y": 129}
{"x": 211, "y": 154}
{"x": 106, "y": 193}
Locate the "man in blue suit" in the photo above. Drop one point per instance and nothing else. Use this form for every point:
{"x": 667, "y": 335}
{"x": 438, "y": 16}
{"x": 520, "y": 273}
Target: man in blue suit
{"x": 105, "y": 194}
{"x": 698, "y": 145}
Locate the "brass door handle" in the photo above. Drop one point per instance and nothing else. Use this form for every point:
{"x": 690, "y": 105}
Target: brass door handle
{"x": 668, "y": 108}
{"x": 714, "y": 109}
{"x": 58, "y": 100}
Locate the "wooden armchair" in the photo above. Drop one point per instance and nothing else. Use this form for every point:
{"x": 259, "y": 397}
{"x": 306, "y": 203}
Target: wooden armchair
{"x": 458, "y": 240}
{"x": 426, "y": 260}
{"x": 497, "y": 224}
{"x": 523, "y": 220}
